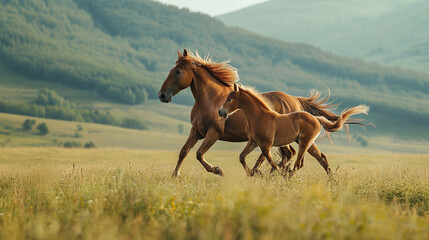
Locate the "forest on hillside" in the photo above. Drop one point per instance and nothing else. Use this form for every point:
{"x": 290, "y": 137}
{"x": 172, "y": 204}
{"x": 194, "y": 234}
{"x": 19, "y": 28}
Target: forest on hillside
{"x": 123, "y": 50}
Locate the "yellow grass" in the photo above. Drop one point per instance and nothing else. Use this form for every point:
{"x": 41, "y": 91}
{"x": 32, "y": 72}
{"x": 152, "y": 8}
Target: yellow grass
{"x": 54, "y": 193}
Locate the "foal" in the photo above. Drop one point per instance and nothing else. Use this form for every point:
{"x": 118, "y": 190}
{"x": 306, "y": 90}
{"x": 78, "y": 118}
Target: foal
{"x": 267, "y": 128}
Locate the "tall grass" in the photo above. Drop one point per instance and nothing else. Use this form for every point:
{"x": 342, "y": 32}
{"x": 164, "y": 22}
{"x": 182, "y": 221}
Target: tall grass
{"x": 51, "y": 193}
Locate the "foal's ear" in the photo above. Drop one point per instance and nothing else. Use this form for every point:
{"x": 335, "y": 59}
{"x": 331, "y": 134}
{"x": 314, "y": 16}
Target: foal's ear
{"x": 179, "y": 54}
{"x": 235, "y": 87}
{"x": 185, "y": 52}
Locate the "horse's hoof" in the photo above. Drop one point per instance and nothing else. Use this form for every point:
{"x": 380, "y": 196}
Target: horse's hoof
{"x": 218, "y": 171}
{"x": 175, "y": 174}
{"x": 256, "y": 172}
{"x": 289, "y": 173}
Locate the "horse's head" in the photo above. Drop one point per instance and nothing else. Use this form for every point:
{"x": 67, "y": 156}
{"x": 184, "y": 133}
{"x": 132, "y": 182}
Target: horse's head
{"x": 179, "y": 78}
{"x": 231, "y": 104}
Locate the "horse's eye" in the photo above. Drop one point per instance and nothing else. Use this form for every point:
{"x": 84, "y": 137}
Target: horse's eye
{"x": 228, "y": 100}
{"x": 178, "y": 71}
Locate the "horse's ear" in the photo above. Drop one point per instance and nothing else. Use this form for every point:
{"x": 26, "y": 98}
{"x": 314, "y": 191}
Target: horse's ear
{"x": 235, "y": 87}
{"x": 179, "y": 54}
{"x": 185, "y": 52}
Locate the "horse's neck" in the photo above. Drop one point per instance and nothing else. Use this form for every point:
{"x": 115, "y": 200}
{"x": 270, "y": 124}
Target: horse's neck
{"x": 251, "y": 108}
{"x": 208, "y": 91}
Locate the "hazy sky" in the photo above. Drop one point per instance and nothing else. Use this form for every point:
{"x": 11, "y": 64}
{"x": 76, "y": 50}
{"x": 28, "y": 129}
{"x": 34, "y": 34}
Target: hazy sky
{"x": 212, "y": 8}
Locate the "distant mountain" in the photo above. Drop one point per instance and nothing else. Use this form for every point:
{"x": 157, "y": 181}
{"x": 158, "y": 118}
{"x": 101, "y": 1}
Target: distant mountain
{"x": 391, "y": 32}
{"x": 121, "y": 51}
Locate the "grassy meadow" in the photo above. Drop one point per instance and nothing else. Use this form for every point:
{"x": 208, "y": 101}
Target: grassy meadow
{"x": 56, "y": 193}
{"x": 107, "y": 56}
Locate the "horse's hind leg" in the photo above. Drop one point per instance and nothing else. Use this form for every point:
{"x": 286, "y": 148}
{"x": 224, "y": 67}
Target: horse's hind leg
{"x": 287, "y": 153}
{"x": 251, "y": 145}
{"x": 320, "y": 157}
{"x": 266, "y": 151}
{"x": 299, "y": 163}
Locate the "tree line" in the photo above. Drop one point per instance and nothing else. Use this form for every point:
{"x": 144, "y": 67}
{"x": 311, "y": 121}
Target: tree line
{"x": 48, "y": 104}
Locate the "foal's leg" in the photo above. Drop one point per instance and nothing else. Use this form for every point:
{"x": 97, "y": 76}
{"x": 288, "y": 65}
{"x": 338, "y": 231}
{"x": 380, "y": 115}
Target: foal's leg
{"x": 258, "y": 163}
{"x": 211, "y": 137}
{"x": 192, "y": 140}
{"x": 299, "y": 163}
{"x": 267, "y": 153}
{"x": 320, "y": 157}
{"x": 251, "y": 145}
{"x": 287, "y": 153}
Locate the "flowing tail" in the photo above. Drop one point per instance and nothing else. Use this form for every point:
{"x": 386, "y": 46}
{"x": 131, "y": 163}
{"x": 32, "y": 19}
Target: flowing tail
{"x": 333, "y": 126}
{"x": 318, "y": 106}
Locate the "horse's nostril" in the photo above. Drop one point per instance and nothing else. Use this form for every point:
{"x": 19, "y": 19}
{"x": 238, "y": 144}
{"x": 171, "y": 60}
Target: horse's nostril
{"x": 162, "y": 96}
{"x": 220, "y": 113}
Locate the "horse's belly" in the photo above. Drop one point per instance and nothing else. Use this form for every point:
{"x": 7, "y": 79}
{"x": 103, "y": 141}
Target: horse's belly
{"x": 283, "y": 142}
{"x": 284, "y": 138}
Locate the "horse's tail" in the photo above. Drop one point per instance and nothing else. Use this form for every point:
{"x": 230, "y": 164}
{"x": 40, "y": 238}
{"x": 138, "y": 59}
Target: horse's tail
{"x": 318, "y": 106}
{"x": 333, "y": 126}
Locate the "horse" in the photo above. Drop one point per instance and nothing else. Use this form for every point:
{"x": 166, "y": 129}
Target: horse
{"x": 210, "y": 84}
{"x": 267, "y": 128}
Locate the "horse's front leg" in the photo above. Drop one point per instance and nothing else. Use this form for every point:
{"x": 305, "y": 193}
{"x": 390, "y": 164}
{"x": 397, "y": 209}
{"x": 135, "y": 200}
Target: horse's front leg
{"x": 257, "y": 165}
{"x": 250, "y": 146}
{"x": 211, "y": 137}
{"x": 286, "y": 152}
{"x": 192, "y": 140}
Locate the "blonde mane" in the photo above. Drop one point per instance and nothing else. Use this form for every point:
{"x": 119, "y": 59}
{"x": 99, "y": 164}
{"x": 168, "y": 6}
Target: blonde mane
{"x": 222, "y": 71}
{"x": 257, "y": 96}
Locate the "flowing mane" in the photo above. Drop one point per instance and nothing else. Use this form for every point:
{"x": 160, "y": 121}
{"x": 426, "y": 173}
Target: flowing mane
{"x": 222, "y": 71}
{"x": 257, "y": 96}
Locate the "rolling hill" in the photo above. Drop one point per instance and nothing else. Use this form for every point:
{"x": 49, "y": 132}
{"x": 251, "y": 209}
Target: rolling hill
{"x": 393, "y": 32}
{"x": 113, "y": 56}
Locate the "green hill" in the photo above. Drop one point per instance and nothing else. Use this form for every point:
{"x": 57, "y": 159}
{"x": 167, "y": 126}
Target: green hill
{"x": 391, "y": 32}
{"x": 114, "y": 55}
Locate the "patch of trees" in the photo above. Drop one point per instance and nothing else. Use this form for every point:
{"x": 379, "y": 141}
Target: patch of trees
{"x": 48, "y": 97}
{"x": 56, "y": 107}
{"x": 133, "y": 124}
{"x": 42, "y": 128}
{"x": 73, "y": 144}
{"x": 57, "y": 112}
{"x": 28, "y": 124}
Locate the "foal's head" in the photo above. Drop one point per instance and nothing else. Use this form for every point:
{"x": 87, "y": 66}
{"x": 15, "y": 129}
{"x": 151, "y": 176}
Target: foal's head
{"x": 179, "y": 78}
{"x": 231, "y": 104}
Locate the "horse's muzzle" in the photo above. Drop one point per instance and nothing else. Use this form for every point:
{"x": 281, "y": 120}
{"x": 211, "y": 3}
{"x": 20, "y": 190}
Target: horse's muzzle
{"x": 163, "y": 97}
{"x": 223, "y": 113}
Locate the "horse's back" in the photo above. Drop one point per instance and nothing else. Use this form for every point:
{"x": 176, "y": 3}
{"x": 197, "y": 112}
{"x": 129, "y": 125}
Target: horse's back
{"x": 282, "y": 102}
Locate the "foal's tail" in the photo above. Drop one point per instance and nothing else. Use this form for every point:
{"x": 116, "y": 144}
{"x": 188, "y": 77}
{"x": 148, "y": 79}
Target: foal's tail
{"x": 333, "y": 126}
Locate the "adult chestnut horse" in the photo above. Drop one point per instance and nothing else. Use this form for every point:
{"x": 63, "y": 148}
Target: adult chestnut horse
{"x": 267, "y": 128}
{"x": 210, "y": 84}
